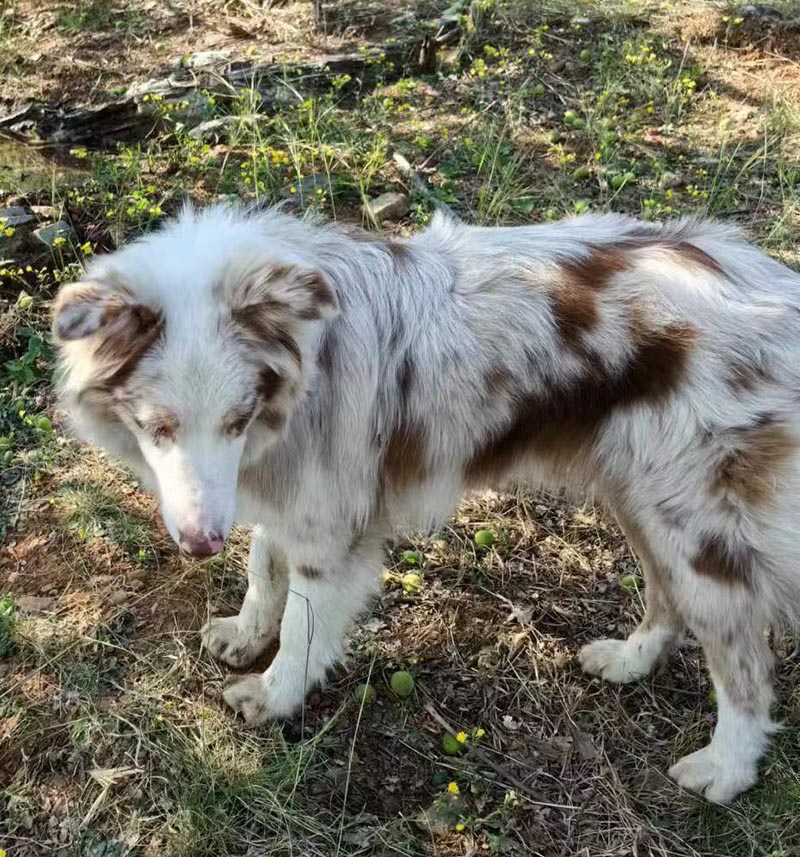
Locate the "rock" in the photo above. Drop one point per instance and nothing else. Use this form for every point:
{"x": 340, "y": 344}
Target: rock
{"x": 46, "y": 212}
{"x": 118, "y": 597}
{"x": 387, "y": 206}
{"x": 305, "y": 189}
{"x": 581, "y": 22}
{"x": 201, "y": 59}
{"x": 48, "y": 234}
{"x": 759, "y": 10}
{"x": 227, "y": 198}
{"x": 213, "y": 129}
{"x": 669, "y": 179}
{"x": 16, "y": 215}
{"x": 34, "y": 603}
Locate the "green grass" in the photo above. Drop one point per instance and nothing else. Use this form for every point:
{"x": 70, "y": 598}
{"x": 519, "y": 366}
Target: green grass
{"x": 107, "y": 703}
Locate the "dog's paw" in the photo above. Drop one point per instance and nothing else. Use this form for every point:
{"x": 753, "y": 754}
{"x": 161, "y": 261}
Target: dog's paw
{"x": 718, "y": 780}
{"x": 614, "y": 660}
{"x": 228, "y": 641}
{"x": 259, "y": 698}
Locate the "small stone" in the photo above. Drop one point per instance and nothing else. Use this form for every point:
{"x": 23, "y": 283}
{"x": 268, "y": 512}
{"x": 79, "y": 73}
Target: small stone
{"x": 304, "y": 190}
{"x": 213, "y": 130}
{"x": 387, "y": 206}
{"x": 46, "y": 212}
{"x": 200, "y": 59}
{"x": 34, "y": 603}
{"x": 118, "y": 597}
{"x": 48, "y": 234}
{"x": 16, "y": 215}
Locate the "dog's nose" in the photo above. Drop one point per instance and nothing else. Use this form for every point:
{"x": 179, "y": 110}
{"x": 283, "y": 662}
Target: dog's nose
{"x": 200, "y": 544}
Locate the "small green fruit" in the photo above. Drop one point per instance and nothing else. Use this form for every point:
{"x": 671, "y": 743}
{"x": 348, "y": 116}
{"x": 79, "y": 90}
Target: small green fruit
{"x": 550, "y": 214}
{"x": 412, "y": 583}
{"x": 581, "y": 206}
{"x": 24, "y": 301}
{"x": 570, "y": 116}
{"x": 609, "y": 138}
{"x": 451, "y": 745}
{"x": 402, "y": 684}
{"x": 631, "y": 582}
{"x": 580, "y": 174}
{"x": 43, "y": 424}
{"x": 411, "y": 557}
{"x": 364, "y": 694}
{"x": 578, "y": 124}
{"x": 585, "y": 55}
{"x": 485, "y": 538}
{"x": 617, "y": 181}
{"x": 538, "y": 90}
{"x": 630, "y": 177}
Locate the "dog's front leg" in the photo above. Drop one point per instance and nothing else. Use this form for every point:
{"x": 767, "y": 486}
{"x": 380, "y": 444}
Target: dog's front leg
{"x": 321, "y": 604}
{"x": 239, "y": 640}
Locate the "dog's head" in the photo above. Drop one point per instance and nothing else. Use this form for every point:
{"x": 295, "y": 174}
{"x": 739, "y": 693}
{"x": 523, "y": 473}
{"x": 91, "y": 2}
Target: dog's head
{"x": 186, "y": 351}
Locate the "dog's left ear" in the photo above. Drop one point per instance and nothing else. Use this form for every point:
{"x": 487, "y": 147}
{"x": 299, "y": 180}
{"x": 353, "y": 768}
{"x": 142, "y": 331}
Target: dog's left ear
{"x": 283, "y": 289}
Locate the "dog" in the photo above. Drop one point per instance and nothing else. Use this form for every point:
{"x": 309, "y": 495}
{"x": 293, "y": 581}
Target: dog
{"x": 326, "y": 388}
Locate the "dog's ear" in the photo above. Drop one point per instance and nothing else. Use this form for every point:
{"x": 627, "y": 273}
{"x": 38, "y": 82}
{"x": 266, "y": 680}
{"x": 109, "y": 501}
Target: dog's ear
{"x": 287, "y": 290}
{"x": 122, "y": 328}
{"x": 89, "y": 308}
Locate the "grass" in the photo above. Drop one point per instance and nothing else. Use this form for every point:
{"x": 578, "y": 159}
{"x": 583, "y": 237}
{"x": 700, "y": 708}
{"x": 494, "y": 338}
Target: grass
{"x": 113, "y": 737}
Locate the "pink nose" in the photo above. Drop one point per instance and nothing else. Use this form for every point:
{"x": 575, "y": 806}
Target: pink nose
{"x": 200, "y": 544}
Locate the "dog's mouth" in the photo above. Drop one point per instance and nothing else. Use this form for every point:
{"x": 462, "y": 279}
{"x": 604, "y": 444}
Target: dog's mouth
{"x": 199, "y": 543}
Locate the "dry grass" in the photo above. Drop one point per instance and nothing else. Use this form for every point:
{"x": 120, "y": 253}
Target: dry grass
{"x": 113, "y": 737}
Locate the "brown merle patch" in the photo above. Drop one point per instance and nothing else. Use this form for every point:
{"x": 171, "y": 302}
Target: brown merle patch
{"x": 753, "y": 468}
{"x": 730, "y": 562}
{"x": 310, "y": 572}
{"x": 560, "y": 421}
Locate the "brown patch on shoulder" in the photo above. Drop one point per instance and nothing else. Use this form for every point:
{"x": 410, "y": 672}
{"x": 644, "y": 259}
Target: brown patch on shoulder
{"x": 726, "y": 562}
{"x": 748, "y": 376}
{"x": 561, "y": 422}
{"x": 752, "y": 470}
{"x": 404, "y": 460}
{"x": 310, "y": 572}
{"x": 270, "y": 383}
{"x": 498, "y": 380}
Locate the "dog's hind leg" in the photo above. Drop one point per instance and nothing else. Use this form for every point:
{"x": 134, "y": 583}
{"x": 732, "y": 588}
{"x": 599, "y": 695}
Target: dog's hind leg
{"x": 725, "y": 619}
{"x": 321, "y": 604}
{"x": 627, "y": 660}
{"x": 239, "y": 640}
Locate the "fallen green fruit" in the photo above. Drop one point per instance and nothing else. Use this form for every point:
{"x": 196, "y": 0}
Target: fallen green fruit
{"x": 485, "y": 538}
{"x": 411, "y": 557}
{"x": 631, "y": 582}
{"x": 580, "y": 174}
{"x": 402, "y": 684}
{"x": 538, "y": 89}
{"x": 578, "y": 123}
{"x": 43, "y": 424}
{"x": 364, "y": 694}
{"x": 585, "y": 55}
{"x": 451, "y": 745}
{"x": 617, "y": 181}
{"x": 412, "y": 582}
{"x": 581, "y": 205}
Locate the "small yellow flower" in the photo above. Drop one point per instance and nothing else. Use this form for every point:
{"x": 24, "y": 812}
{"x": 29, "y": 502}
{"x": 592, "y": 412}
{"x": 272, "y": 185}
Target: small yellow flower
{"x": 8, "y": 231}
{"x": 453, "y": 788}
{"x": 461, "y": 737}
{"x": 479, "y": 733}
{"x": 59, "y": 242}
{"x": 459, "y": 827}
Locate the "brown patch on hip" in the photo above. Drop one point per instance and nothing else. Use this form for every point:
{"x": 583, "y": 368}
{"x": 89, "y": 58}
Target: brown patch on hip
{"x": 751, "y": 470}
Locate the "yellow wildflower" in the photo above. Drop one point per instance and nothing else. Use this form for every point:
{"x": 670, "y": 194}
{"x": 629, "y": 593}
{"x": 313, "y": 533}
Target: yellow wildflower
{"x": 461, "y": 737}
{"x": 453, "y": 788}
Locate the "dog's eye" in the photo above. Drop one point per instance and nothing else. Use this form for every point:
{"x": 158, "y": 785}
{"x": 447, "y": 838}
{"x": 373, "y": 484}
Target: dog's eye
{"x": 162, "y": 432}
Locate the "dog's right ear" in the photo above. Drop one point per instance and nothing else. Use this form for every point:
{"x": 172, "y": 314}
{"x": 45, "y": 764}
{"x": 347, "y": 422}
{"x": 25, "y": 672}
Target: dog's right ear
{"x": 91, "y": 308}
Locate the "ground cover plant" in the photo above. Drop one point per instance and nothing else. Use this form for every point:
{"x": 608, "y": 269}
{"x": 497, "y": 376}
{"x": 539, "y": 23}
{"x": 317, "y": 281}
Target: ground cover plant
{"x": 461, "y": 724}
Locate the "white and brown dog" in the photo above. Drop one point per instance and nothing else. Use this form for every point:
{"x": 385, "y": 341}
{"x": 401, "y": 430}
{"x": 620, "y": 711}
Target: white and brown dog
{"x": 327, "y": 388}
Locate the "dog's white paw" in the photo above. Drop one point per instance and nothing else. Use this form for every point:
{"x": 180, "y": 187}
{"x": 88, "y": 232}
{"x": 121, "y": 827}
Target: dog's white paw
{"x": 258, "y": 697}
{"x": 718, "y": 780}
{"x": 615, "y": 660}
{"x": 229, "y": 641}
